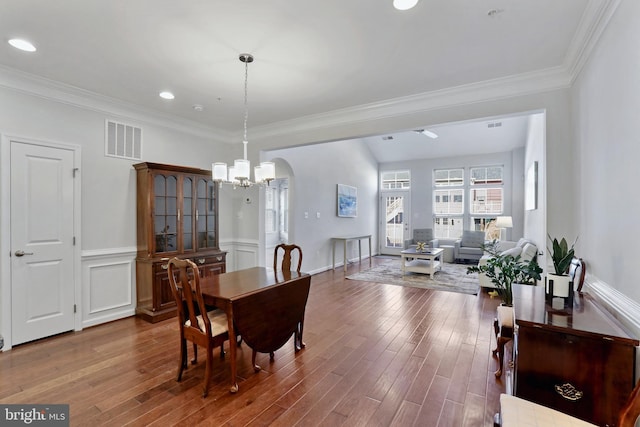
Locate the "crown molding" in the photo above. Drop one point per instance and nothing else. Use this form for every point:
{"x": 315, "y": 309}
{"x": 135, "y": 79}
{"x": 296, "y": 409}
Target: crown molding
{"x": 70, "y": 95}
{"x": 594, "y": 21}
{"x": 506, "y": 87}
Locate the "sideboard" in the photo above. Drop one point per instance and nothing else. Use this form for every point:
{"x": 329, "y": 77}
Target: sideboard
{"x": 580, "y": 361}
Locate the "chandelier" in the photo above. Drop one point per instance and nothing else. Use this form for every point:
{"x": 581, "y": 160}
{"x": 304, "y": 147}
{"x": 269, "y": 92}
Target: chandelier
{"x": 238, "y": 174}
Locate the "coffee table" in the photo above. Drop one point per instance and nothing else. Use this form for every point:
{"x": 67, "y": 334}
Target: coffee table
{"x": 427, "y": 262}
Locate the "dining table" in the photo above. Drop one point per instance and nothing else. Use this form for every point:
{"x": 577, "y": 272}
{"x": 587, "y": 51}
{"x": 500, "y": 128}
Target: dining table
{"x": 264, "y": 307}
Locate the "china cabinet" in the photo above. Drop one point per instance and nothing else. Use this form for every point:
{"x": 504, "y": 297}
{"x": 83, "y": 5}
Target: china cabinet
{"x": 177, "y": 216}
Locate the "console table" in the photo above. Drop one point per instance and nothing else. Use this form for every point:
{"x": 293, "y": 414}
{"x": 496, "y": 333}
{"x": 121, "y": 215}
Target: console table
{"x": 344, "y": 241}
{"x": 579, "y": 361}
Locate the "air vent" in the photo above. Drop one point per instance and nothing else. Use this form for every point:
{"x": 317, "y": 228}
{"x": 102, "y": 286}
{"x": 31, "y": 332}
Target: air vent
{"x": 387, "y": 138}
{"x": 123, "y": 141}
{"x": 494, "y": 125}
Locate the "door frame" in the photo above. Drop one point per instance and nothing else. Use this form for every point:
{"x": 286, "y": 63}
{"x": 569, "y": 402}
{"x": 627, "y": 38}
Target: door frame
{"x": 406, "y": 194}
{"x": 5, "y": 230}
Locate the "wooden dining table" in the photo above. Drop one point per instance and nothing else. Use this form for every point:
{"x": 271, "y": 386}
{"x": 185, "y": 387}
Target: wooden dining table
{"x": 263, "y": 306}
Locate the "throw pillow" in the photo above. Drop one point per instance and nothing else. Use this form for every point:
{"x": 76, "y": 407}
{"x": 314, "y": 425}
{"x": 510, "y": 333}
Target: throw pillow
{"x": 529, "y": 252}
{"x": 514, "y": 252}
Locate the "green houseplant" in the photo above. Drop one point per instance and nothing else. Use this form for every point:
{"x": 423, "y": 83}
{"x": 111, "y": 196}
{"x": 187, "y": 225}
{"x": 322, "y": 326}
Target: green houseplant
{"x": 561, "y": 255}
{"x": 505, "y": 270}
{"x": 559, "y": 285}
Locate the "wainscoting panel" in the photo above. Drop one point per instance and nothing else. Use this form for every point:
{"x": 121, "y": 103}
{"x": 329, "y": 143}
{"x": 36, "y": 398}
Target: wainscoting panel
{"x": 241, "y": 254}
{"x": 108, "y": 285}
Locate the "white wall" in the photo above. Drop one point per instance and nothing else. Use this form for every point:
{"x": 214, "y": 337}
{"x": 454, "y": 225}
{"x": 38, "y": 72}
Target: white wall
{"x": 317, "y": 169}
{"x": 108, "y": 193}
{"x": 606, "y": 106}
{"x": 535, "y": 220}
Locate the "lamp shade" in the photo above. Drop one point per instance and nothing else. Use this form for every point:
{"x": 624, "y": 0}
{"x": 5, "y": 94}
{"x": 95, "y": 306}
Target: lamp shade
{"x": 242, "y": 168}
{"x": 219, "y": 171}
{"x": 504, "y": 222}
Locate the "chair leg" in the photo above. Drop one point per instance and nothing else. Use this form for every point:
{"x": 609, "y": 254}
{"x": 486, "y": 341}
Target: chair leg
{"x": 195, "y": 355}
{"x": 496, "y": 330}
{"x": 271, "y": 356}
{"x": 208, "y": 370}
{"x": 500, "y": 348}
{"x": 256, "y": 368}
{"x": 298, "y": 337}
{"x": 183, "y": 358}
{"x": 222, "y": 351}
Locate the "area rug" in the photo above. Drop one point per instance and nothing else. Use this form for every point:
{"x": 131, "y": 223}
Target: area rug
{"x": 452, "y": 277}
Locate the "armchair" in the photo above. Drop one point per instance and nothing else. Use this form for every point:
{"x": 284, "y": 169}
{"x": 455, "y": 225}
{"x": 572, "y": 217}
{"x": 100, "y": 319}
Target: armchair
{"x": 469, "y": 247}
{"x": 422, "y": 235}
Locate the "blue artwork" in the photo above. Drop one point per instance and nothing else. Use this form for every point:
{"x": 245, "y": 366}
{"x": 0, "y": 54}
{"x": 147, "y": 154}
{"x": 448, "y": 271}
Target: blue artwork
{"x": 347, "y": 201}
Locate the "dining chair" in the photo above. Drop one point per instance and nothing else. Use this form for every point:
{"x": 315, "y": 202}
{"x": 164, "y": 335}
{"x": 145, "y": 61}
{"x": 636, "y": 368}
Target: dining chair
{"x": 285, "y": 265}
{"x": 208, "y": 331}
{"x": 286, "y": 257}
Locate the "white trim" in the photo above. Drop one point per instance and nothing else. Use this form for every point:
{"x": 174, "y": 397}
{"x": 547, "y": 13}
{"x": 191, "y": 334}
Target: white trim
{"x": 70, "y": 95}
{"x": 5, "y": 229}
{"x": 620, "y": 306}
{"x": 109, "y": 252}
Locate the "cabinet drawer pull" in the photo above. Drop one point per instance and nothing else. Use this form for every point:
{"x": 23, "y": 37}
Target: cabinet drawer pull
{"x": 201, "y": 260}
{"x": 219, "y": 258}
{"x": 569, "y": 392}
{"x": 165, "y": 266}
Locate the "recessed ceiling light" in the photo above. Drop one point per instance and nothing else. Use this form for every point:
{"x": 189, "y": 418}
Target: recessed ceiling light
{"x": 404, "y": 4}
{"x": 166, "y": 95}
{"x": 22, "y": 45}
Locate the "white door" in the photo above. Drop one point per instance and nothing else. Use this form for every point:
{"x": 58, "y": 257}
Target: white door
{"x": 394, "y": 223}
{"x": 42, "y": 279}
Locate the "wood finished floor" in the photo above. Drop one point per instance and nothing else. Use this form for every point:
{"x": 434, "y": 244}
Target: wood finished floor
{"x": 376, "y": 355}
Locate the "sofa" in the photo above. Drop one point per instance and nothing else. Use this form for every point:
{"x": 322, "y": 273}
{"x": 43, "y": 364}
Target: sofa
{"x": 525, "y": 248}
{"x": 469, "y": 247}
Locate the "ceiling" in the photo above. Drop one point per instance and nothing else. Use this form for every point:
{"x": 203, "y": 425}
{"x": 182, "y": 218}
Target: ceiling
{"x": 311, "y": 57}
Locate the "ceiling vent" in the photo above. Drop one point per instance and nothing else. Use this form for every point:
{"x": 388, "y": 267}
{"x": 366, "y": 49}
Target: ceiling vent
{"x": 387, "y": 138}
{"x": 494, "y": 125}
{"x": 123, "y": 141}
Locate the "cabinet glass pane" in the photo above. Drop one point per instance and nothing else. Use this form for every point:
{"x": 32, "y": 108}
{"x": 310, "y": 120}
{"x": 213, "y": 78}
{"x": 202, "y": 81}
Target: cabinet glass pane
{"x": 160, "y": 206}
{"x": 172, "y": 243}
{"x": 172, "y": 208}
{"x": 188, "y": 240}
{"x": 211, "y": 196}
{"x": 159, "y": 185}
{"x": 172, "y": 186}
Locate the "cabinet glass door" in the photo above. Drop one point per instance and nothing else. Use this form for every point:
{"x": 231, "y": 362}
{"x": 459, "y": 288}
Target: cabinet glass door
{"x": 165, "y": 227}
{"x": 206, "y": 214}
{"x": 187, "y": 214}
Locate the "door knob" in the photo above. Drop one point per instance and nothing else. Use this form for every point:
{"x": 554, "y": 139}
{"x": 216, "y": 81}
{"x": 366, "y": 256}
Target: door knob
{"x": 23, "y": 253}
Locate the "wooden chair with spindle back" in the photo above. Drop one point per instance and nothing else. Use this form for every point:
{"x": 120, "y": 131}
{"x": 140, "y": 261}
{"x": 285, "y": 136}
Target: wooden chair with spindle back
{"x": 208, "y": 331}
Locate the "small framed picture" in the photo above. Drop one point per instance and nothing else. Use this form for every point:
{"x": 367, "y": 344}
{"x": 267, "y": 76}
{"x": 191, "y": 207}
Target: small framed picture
{"x": 347, "y": 201}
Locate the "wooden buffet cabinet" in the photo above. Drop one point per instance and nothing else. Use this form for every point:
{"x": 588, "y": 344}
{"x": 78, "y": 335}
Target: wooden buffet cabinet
{"x": 579, "y": 361}
{"x": 177, "y": 216}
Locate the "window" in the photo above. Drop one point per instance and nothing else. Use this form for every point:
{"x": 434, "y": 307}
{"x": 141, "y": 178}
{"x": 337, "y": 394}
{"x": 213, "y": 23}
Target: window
{"x": 270, "y": 210}
{"x": 396, "y": 180}
{"x": 448, "y": 177}
{"x": 448, "y": 203}
{"x": 486, "y": 201}
{"x": 486, "y": 175}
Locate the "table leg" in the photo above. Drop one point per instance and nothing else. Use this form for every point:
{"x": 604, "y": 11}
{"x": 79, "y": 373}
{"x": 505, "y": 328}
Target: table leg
{"x": 334, "y": 253}
{"x": 402, "y": 257}
{"x": 360, "y": 251}
{"x": 345, "y": 255}
{"x": 232, "y": 350}
{"x": 370, "y": 253}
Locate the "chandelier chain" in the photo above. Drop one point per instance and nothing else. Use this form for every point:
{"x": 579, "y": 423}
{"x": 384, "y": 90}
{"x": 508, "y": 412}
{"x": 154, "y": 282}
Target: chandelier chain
{"x": 246, "y": 108}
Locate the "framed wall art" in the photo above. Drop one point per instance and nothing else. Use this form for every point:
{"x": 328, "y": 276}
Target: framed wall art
{"x": 347, "y": 201}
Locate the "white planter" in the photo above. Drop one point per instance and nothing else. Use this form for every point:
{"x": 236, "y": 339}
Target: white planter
{"x": 559, "y": 290}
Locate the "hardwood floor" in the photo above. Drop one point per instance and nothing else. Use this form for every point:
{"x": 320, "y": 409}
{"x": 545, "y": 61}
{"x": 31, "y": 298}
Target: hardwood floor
{"x": 376, "y": 355}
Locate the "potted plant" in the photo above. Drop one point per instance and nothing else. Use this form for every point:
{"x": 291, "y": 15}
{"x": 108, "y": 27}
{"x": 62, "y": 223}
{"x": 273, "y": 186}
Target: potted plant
{"x": 559, "y": 284}
{"x": 505, "y": 270}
